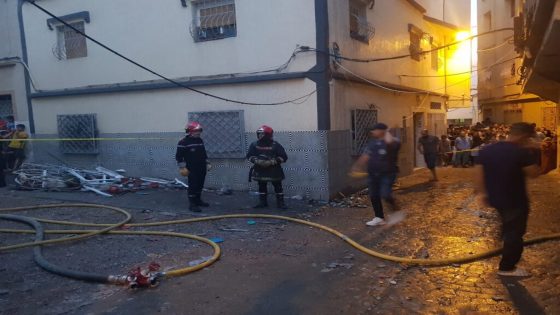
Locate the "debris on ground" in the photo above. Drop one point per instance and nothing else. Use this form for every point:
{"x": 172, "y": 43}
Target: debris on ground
{"x": 101, "y": 181}
{"x": 331, "y": 266}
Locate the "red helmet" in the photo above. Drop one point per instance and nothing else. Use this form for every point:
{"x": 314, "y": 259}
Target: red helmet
{"x": 193, "y": 126}
{"x": 264, "y": 129}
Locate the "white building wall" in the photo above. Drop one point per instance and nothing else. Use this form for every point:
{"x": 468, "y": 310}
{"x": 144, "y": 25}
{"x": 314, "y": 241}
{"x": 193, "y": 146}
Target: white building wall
{"x": 156, "y": 34}
{"x": 12, "y": 75}
{"x": 166, "y": 110}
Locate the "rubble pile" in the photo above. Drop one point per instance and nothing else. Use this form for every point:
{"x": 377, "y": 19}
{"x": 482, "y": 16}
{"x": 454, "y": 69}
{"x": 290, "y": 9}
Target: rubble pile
{"x": 102, "y": 181}
{"x": 357, "y": 200}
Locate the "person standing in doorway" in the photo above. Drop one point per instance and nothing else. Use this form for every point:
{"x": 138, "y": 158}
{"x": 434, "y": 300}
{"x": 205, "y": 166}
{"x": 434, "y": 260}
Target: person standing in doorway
{"x": 501, "y": 184}
{"x": 193, "y": 162}
{"x": 380, "y": 158}
{"x": 267, "y": 156}
{"x": 428, "y": 146}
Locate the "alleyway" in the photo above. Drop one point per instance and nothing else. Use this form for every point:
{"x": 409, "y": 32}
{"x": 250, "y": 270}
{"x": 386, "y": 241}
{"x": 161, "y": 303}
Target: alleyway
{"x": 273, "y": 267}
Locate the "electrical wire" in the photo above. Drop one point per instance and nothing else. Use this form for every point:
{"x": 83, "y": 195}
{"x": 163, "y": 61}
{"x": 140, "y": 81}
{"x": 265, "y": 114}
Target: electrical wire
{"x": 459, "y": 73}
{"x": 396, "y": 90}
{"x": 407, "y": 55}
{"x": 160, "y": 75}
{"x": 508, "y": 41}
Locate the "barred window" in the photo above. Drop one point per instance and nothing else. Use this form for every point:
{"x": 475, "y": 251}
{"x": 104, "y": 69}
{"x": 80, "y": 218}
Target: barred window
{"x": 360, "y": 29}
{"x": 71, "y": 44}
{"x": 224, "y": 132}
{"x": 362, "y": 121}
{"x": 415, "y": 40}
{"x": 83, "y": 128}
{"x": 214, "y": 19}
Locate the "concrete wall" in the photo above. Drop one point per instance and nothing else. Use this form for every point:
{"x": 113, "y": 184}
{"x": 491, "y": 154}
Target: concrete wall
{"x": 456, "y": 11}
{"x": 156, "y": 34}
{"x": 307, "y": 169}
{"x": 498, "y": 81}
{"x": 530, "y": 112}
{"x": 12, "y": 74}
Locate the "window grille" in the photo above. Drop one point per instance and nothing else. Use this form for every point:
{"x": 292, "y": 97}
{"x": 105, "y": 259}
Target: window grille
{"x": 435, "y": 105}
{"x": 70, "y": 44}
{"x": 415, "y": 40}
{"x": 224, "y": 133}
{"x": 79, "y": 127}
{"x": 360, "y": 29}
{"x": 362, "y": 121}
{"x": 213, "y": 19}
{"x": 6, "y": 108}
{"x": 435, "y": 57}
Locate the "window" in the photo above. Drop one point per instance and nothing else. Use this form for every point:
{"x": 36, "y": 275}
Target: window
{"x": 359, "y": 27}
{"x": 435, "y": 105}
{"x": 70, "y": 44}
{"x": 415, "y": 40}
{"x": 224, "y": 133}
{"x": 362, "y": 121}
{"x": 435, "y": 57}
{"x": 79, "y": 127}
{"x": 214, "y": 19}
{"x": 6, "y": 108}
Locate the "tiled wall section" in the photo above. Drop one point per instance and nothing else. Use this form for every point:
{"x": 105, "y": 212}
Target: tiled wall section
{"x": 307, "y": 169}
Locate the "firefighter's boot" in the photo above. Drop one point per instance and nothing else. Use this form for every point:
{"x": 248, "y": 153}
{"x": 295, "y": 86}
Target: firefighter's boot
{"x": 280, "y": 202}
{"x": 263, "y": 201}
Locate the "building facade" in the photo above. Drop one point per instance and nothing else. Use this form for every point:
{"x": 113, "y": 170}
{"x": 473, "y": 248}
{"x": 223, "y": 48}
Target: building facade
{"x": 537, "y": 38}
{"x": 502, "y": 96}
{"x": 15, "y": 86}
{"x": 295, "y": 65}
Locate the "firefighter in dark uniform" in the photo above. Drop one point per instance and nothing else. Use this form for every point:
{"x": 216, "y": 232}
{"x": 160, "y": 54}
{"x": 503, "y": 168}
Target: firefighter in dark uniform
{"x": 193, "y": 162}
{"x": 266, "y": 156}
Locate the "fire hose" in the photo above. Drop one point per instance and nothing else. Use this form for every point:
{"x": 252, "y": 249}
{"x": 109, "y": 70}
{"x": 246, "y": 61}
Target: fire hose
{"x": 110, "y": 229}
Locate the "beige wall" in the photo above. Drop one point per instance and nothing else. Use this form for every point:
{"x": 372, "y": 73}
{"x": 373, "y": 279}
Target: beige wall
{"x": 392, "y": 38}
{"x": 166, "y": 110}
{"x": 530, "y": 112}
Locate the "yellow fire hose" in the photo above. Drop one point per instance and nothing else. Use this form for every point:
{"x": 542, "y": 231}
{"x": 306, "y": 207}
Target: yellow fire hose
{"x": 109, "y": 229}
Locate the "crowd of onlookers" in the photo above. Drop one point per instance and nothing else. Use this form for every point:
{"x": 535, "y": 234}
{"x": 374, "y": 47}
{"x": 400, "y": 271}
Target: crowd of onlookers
{"x": 461, "y": 145}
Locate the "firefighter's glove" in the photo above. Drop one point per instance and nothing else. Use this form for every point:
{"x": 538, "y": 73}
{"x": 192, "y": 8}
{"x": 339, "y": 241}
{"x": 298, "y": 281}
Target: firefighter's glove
{"x": 263, "y": 163}
{"x": 184, "y": 171}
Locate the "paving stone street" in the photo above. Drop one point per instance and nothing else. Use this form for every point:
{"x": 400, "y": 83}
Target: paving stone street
{"x": 283, "y": 268}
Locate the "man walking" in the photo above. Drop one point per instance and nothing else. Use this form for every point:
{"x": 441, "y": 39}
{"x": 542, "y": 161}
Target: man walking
{"x": 429, "y": 147}
{"x": 380, "y": 157}
{"x": 501, "y": 184}
{"x": 193, "y": 162}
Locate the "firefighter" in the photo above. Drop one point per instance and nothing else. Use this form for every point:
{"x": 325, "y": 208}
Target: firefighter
{"x": 266, "y": 156}
{"x": 193, "y": 162}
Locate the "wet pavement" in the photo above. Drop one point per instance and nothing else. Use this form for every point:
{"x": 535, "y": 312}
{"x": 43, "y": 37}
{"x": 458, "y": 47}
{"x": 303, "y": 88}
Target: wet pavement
{"x": 274, "y": 267}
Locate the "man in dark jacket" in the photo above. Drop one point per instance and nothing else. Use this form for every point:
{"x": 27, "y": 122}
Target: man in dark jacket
{"x": 428, "y": 146}
{"x": 502, "y": 185}
{"x": 193, "y": 162}
{"x": 266, "y": 156}
{"x": 381, "y": 157}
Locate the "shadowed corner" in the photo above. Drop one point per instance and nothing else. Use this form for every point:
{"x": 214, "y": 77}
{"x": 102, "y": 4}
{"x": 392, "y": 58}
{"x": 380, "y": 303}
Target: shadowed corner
{"x": 523, "y": 301}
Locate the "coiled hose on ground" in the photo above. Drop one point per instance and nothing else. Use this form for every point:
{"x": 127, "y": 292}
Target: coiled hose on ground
{"x": 109, "y": 229}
